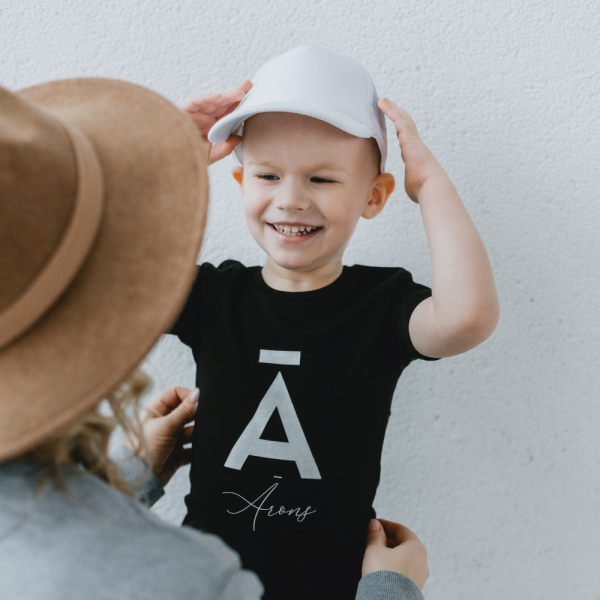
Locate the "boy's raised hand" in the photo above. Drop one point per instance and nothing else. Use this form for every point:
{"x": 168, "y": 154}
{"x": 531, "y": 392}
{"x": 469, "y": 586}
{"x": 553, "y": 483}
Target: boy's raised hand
{"x": 418, "y": 160}
{"x": 206, "y": 109}
{"x": 463, "y": 309}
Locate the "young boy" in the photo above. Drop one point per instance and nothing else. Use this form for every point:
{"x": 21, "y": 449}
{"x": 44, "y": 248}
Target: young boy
{"x": 298, "y": 360}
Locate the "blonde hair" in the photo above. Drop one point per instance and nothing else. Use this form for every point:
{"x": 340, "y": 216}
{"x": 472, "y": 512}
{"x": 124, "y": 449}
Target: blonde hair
{"x": 85, "y": 442}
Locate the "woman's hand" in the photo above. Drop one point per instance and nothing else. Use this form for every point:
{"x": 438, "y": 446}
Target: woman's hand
{"x": 164, "y": 423}
{"x": 393, "y": 547}
{"x": 206, "y": 109}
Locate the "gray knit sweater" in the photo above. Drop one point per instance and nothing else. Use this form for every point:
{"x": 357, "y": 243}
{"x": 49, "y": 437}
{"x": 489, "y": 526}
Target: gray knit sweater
{"x": 96, "y": 543}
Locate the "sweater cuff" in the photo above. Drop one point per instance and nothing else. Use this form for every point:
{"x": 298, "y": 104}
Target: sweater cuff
{"x": 387, "y": 585}
{"x": 145, "y": 484}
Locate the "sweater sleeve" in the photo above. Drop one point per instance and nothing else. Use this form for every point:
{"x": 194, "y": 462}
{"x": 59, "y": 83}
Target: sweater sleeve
{"x": 241, "y": 585}
{"x": 387, "y": 585}
{"x": 147, "y": 487}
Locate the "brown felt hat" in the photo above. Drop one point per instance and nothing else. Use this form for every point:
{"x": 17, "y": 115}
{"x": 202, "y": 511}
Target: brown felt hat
{"x": 103, "y": 202}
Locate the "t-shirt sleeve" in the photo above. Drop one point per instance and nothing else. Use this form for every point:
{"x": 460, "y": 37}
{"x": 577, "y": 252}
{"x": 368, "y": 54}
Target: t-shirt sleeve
{"x": 187, "y": 325}
{"x": 409, "y": 295}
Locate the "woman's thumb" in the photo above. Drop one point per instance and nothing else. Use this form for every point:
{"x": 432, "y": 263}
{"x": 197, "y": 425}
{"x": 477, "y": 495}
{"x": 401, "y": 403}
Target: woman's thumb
{"x": 186, "y": 411}
{"x": 376, "y": 535}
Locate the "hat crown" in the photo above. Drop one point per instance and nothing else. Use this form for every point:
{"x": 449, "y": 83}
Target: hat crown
{"x": 38, "y": 181}
{"x": 117, "y": 175}
{"x": 317, "y": 76}
{"x": 315, "y": 82}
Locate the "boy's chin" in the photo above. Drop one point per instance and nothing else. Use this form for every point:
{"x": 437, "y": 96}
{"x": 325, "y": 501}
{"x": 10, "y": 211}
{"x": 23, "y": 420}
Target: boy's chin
{"x": 297, "y": 264}
{"x": 290, "y": 264}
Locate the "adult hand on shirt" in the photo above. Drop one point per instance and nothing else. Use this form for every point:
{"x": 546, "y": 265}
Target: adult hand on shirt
{"x": 393, "y": 547}
{"x": 164, "y": 423}
{"x": 206, "y": 109}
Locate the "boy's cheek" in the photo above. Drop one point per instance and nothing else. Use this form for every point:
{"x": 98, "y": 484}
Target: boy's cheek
{"x": 256, "y": 206}
{"x": 252, "y": 206}
{"x": 254, "y": 222}
{"x": 345, "y": 219}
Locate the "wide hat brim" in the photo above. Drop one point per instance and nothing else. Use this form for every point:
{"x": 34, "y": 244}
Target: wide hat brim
{"x": 139, "y": 272}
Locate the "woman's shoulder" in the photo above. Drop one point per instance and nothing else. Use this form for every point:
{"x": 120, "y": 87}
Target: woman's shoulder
{"x": 105, "y": 536}
{"x": 189, "y": 560}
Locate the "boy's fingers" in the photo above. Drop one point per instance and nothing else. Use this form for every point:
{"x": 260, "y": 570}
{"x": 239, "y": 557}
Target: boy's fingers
{"x": 231, "y": 97}
{"x": 390, "y": 108}
{"x": 206, "y": 109}
{"x": 234, "y": 95}
{"x": 396, "y": 114}
{"x": 212, "y": 108}
{"x": 202, "y": 121}
{"x": 387, "y": 105}
{"x": 231, "y": 102}
{"x": 196, "y": 103}
{"x": 215, "y": 103}
{"x": 208, "y": 103}
{"x": 224, "y": 110}
{"x": 219, "y": 151}
{"x": 243, "y": 87}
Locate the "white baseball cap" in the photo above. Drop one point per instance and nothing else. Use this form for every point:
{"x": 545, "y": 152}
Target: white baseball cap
{"x": 315, "y": 82}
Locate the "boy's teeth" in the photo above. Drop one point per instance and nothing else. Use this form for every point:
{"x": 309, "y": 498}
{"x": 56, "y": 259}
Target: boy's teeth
{"x": 294, "y": 230}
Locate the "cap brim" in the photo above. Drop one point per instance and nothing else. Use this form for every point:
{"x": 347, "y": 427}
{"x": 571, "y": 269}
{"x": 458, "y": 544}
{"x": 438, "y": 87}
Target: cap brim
{"x": 222, "y": 129}
{"x": 139, "y": 272}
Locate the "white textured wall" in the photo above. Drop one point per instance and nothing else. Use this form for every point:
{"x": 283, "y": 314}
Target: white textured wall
{"x": 492, "y": 457}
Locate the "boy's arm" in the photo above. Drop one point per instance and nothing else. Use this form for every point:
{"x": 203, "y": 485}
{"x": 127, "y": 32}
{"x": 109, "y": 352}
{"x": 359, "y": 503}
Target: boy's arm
{"x": 463, "y": 309}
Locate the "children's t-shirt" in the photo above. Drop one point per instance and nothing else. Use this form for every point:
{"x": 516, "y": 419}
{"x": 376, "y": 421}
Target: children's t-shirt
{"x": 295, "y": 396}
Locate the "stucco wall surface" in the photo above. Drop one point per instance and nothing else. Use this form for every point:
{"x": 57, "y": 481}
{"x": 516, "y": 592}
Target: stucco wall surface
{"x": 492, "y": 457}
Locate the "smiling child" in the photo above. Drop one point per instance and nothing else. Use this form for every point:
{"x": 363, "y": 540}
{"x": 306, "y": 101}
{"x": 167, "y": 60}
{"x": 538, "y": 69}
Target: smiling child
{"x": 298, "y": 360}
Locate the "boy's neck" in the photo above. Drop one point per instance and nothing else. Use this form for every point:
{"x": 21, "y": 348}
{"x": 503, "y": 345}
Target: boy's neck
{"x": 288, "y": 280}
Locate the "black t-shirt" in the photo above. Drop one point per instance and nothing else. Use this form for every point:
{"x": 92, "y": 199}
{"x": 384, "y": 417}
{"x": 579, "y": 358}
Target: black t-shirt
{"x": 295, "y": 396}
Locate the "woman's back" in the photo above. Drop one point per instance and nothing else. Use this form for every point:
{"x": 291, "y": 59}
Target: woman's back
{"x": 95, "y": 542}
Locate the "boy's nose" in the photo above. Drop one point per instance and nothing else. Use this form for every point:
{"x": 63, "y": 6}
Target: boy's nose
{"x": 292, "y": 197}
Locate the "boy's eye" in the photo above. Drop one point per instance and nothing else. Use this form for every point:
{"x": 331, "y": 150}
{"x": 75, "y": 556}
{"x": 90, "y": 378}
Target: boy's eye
{"x": 269, "y": 177}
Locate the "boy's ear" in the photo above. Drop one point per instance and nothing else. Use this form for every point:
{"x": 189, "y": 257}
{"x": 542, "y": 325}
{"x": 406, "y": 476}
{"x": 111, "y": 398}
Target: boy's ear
{"x": 238, "y": 174}
{"x": 383, "y": 186}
